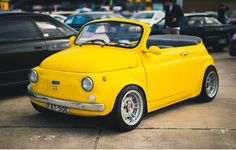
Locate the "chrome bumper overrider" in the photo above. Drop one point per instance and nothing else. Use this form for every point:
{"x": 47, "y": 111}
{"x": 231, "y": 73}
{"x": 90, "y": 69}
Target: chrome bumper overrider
{"x": 69, "y": 104}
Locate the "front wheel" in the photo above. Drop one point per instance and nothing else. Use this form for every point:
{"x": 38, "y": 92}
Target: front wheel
{"x": 129, "y": 108}
{"x": 210, "y": 85}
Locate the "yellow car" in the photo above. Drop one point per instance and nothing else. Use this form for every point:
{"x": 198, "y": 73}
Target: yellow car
{"x": 114, "y": 67}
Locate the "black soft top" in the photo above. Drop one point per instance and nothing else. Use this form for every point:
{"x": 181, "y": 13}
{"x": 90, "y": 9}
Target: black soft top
{"x": 164, "y": 41}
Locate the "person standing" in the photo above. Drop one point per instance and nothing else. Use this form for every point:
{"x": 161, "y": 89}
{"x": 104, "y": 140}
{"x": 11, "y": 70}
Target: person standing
{"x": 173, "y": 16}
{"x": 221, "y": 13}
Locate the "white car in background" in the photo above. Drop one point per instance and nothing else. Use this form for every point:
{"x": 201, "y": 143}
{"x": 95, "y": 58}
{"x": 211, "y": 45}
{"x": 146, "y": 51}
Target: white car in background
{"x": 150, "y": 17}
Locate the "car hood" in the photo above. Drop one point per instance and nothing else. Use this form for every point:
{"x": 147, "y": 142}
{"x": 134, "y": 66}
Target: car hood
{"x": 89, "y": 59}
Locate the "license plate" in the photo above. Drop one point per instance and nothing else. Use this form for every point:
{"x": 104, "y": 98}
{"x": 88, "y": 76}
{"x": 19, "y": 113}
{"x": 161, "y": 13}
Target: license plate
{"x": 57, "y": 108}
{"x": 222, "y": 41}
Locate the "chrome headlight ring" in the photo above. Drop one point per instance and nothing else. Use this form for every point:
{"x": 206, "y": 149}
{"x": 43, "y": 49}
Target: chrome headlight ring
{"x": 87, "y": 84}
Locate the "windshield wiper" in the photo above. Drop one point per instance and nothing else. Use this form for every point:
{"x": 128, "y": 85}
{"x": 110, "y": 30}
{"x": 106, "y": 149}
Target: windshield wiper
{"x": 125, "y": 44}
{"x": 95, "y": 42}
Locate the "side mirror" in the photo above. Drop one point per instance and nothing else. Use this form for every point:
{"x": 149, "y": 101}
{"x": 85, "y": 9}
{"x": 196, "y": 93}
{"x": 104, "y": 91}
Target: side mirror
{"x": 72, "y": 40}
{"x": 154, "y": 50}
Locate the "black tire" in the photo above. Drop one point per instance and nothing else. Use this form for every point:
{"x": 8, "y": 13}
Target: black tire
{"x": 117, "y": 119}
{"x": 204, "y": 96}
{"x": 39, "y": 108}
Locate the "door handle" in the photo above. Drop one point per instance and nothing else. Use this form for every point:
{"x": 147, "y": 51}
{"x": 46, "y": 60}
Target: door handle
{"x": 38, "y": 47}
{"x": 184, "y": 53}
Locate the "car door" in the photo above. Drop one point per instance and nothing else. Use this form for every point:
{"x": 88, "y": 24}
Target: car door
{"x": 56, "y": 36}
{"x": 165, "y": 75}
{"x": 20, "y": 43}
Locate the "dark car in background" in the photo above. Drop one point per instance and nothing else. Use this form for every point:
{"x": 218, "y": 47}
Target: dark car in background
{"x": 214, "y": 34}
{"x": 25, "y": 40}
{"x": 232, "y": 51}
{"x": 232, "y": 18}
{"x": 78, "y": 20}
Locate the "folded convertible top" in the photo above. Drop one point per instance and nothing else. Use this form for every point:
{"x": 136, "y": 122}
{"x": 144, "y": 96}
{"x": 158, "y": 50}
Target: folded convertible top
{"x": 163, "y": 41}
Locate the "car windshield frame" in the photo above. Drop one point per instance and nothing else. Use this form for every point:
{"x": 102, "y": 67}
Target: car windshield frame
{"x": 92, "y": 43}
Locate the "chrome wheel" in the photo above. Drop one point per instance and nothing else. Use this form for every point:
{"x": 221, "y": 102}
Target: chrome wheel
{"x": 132, "y": 107}
{"x": 211, "y": 84}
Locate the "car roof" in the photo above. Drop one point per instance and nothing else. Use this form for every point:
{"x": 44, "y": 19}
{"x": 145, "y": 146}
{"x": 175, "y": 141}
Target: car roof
{"x": 199, "y": 14}
{"x": 94, "y": 12}
{"x": 21, "y": 14}
{"x": 150, "y": 11}
{"x": 100, "y": 12}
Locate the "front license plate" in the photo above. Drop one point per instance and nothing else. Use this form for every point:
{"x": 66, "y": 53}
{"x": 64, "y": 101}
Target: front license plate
{"x": 222, "y": 41}
{"x": 57, "y": 108}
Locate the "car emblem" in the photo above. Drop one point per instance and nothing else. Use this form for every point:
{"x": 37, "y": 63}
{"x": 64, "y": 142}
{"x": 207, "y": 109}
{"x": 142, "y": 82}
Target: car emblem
{"x": 55, "y": 85}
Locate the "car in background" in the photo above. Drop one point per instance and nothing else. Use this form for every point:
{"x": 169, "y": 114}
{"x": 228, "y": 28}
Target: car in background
{"x": 232, "y": 51}
{"x": 215, "y": 35}
{"x": 232, "y": 18}
{"x": 25, "y": 40}
{"x": 150, "y": 17}
{"x": 78, "y": 20}
{"x": 60, "y": 18}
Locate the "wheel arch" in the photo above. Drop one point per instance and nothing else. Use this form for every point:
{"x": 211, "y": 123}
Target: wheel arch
{"x": 141, "y": 89}
{"x": 204, "y": 67}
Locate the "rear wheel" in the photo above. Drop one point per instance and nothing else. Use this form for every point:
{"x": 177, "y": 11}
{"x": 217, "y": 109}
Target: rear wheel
{"x": 129, "y": 108}
{"x": 210, "y": 85}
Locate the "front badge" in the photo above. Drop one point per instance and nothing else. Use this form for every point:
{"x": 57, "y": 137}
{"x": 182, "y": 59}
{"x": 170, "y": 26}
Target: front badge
{"x": 55, "y": 85}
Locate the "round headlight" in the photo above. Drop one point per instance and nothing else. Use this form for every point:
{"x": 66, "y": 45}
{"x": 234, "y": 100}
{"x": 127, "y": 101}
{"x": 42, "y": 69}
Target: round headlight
{"x": 87, "y": 84}
{"x": 33, "y": 76}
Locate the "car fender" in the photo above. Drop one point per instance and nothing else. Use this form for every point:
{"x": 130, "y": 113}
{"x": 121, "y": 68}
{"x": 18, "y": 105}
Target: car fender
{"x": 127, "y": 81}
{"x": 200, "y": 76}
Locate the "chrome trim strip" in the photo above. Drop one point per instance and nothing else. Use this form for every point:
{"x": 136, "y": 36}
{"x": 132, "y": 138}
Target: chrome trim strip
{"x": 69, "y": 104}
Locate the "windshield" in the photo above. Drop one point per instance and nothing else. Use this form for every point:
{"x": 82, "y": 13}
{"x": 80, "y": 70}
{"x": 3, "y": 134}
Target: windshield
{"x": 110, "y": 33}
{"x": 143, "y": 16}
{"x": 202, "y": 20}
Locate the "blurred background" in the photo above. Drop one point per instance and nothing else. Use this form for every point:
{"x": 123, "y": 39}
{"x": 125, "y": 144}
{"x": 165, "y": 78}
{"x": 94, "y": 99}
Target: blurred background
{"x": 125, "y": 5}
{"x": 31, "y": 30}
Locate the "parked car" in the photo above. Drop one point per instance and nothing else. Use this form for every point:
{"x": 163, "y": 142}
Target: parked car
{"x": 215, "y": 35}
{"x": 25, "y": 40}
{"x": 115, "y": 67}
{"x": 150, "y": 17}
{"x": 60, "y": 18}
{"x": 232, "y": 50}
{"x": 78, "y": 20}
{"x": 232, "y": 18}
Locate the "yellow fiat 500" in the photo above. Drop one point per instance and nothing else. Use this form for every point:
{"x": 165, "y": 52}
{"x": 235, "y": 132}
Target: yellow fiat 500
{"x": 115, "y": 67}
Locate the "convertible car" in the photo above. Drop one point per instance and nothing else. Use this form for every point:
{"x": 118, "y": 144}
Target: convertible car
{"x": 114, "y": 67}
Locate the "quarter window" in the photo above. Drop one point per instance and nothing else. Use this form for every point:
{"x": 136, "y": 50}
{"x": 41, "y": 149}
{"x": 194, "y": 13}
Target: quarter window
{"x": 48, "y": 29}
{"x": 69, "y": 20}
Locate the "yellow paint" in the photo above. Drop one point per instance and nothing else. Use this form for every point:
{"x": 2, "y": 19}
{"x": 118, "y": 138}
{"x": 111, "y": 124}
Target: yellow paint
{"x": 166, "y": 77}
{"x": 4, "y": 6}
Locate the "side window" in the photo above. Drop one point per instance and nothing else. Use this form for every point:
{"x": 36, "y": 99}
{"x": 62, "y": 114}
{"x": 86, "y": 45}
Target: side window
{"x": 48, "y": 29}
{"x": 69, "y": 20}
{"x": 80, "y": 19}
{"x": 15, "y": 28}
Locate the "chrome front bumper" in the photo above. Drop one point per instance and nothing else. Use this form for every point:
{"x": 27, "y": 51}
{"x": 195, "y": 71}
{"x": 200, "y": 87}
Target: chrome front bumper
{"x": 69, "y": 104}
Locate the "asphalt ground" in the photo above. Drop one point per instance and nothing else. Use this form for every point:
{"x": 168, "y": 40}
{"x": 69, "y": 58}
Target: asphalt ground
{"x": 188, "y": 124}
